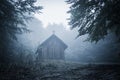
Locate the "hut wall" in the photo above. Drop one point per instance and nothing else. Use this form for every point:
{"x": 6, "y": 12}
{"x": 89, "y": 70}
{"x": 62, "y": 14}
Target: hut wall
{"x": 53, "y": 50}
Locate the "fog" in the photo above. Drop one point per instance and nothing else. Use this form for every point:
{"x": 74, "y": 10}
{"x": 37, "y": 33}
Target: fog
{"x": 54, "y": 18}
{"x": 78, "y": 49}
{"x": 57, "y": 42}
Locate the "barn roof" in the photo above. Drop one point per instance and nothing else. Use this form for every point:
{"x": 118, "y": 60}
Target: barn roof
{"x": 54, "y": 37}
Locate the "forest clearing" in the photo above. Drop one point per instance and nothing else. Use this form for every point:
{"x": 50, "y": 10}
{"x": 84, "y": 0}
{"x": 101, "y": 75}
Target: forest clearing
{"x": 59, "y": 39}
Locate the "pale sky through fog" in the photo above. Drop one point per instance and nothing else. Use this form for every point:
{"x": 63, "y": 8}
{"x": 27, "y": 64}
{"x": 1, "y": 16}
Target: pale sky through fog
{"x": 54, "y": 11}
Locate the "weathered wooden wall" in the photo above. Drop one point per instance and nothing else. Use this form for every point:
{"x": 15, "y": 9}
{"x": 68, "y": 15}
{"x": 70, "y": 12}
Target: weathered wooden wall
{"x": 53, "y": 50}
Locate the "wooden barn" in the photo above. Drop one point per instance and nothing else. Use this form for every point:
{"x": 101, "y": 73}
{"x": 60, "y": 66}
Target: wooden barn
{"x": 52, "y": 48}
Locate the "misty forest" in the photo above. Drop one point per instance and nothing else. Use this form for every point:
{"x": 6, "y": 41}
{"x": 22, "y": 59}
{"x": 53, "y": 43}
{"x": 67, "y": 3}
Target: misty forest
{"x": 59, "y": 39}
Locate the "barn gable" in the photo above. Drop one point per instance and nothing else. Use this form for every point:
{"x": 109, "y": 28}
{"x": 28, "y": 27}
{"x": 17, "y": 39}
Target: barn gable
{"x": 54, "y": 38}
{"x": 52, "y": 48}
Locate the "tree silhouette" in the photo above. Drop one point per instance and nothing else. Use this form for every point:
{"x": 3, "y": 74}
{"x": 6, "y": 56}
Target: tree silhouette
{"x": 13, "y": 16}
{"x": 97, "y": 18}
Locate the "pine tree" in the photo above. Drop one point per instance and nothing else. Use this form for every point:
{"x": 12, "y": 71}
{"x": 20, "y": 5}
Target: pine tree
{"x": 13, "y": 16}
{"x": 97, "y": 18}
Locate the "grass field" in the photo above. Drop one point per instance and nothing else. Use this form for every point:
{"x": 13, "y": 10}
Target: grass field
{"x": 60, "y": 70}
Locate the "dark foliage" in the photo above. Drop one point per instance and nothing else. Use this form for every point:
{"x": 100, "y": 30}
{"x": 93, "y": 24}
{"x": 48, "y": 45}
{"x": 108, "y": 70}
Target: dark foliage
{"x": 13, "y": 16}
{"x": 16, "y": 72}
{"x": 97, "y": 18}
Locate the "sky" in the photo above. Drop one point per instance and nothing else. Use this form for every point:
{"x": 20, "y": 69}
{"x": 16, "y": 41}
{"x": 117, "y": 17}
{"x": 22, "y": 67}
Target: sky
{"x": 54, "y": 11}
